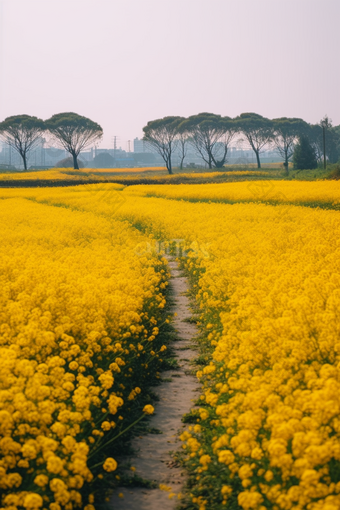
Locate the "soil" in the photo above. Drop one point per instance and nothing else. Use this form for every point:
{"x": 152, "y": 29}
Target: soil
{"x": 153, "y": 459}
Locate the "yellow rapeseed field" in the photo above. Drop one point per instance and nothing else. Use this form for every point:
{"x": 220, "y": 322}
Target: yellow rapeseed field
{"x": 125, "y": 174}
{"x": 267, "y": 281}
{"x": 85, "y": 174}
{"x": 79, "y": 319}
{"x": 316, "y": 193}
{"x": 82, "y": 268}
{"x": 55, "y": 174}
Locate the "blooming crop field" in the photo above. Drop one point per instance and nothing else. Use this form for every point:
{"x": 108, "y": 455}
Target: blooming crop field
{"x": 79, "y": 319}
{"x": 310, "y": 193}
{"x": 82, "y": 297}
{"x": 85, "y": 174}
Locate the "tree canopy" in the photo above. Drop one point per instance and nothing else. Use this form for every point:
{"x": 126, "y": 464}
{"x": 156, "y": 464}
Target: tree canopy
{"x": 161, "y": 135}
{"x": 304, "y": 157}
{"x": 257, "y": 131}
{"x": 211, "y": 135}
{"x": 22, "y": 132}
{"x": 285, "y": 136}
{"x": 74, "y": 133}
{"x": 325, "y": 140}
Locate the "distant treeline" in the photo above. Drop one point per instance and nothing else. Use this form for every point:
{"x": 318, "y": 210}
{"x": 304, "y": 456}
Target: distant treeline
{"x": 70, "y": 131}
{"x": 211, "y": 136}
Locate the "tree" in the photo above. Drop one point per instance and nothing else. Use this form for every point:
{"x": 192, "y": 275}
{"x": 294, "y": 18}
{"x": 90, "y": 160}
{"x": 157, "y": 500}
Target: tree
{"x": 161, "y": 135}
{"x": 74, "y": 133}
{"x": 183, "y": 146}
{"x": 103, "y": 160}
{"x": 304, "y": 157}
{"x": 325, "y": 124}
{"x": 325, "y": 141}
{"x": 210, "y": 134}
{"x": 23, "y": 133}
{"x": 257, "y": 130}
{"x": 335, "y": 149}
{"x": 285, "y": 135}
{"x": 314, "y": 135}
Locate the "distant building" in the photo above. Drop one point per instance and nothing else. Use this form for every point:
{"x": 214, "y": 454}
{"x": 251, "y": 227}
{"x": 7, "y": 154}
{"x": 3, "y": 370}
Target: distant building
{"x": 139, "y": 146}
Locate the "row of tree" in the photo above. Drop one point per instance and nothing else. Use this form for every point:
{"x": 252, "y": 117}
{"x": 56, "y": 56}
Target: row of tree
{"x": 70, "y": 131}
{"x": 211, "y": 136}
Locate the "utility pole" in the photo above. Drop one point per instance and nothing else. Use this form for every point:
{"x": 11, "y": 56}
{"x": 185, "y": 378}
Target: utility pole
{"x": 325, "y": 123}
{"x": 114, "y": 145}
{"x": 324, "y": 146}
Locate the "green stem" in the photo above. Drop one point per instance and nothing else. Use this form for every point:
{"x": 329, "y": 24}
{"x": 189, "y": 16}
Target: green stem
{"x": 116, "y": 437}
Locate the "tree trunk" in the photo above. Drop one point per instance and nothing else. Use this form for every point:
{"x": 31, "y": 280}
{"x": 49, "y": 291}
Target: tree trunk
{"x": 75, "y": 162}
{"x": 324, "y": 147}
{"x": 221, "y": 162}
{"x": 286, "y": 163}
{"x": 24, "y": 160}
{"x": 181, "y": 164}
{"x": 258, "y": 159}
{"x": 168, "y": 165}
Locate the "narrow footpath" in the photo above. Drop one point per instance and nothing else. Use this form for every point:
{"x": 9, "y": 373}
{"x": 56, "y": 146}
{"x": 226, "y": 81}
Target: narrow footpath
{"x": 153, "y": 460}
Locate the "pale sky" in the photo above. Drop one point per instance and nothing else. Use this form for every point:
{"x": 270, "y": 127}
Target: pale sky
{"x": 125, "y": 62}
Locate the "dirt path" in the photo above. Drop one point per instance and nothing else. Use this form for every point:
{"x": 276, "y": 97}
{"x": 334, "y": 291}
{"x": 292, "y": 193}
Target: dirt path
{"x": 153, "y": 460}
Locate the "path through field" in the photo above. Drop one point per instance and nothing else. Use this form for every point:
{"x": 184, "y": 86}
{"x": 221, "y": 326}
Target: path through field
{"x": 153, "y": 460}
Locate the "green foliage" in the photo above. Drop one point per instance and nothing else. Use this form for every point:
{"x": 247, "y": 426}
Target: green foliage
{"x": 71, "y": 121}
{"x": 103, "y": 160}
{"x": 333, "y": 144}
{"x": 68, "y": 163}
{"x": 332, "y": 140}
{"x": 211, "y": 135}
{"x": 285, "y": 134}
{"x": 334, "y": 172}
{"x": 336, "y": 132}
{"x": 258, "y": 131}
{"x": 304, "y": 157}
{"x": 190, "y": 417}
{"x": 74, "y": 133}
{"x": 22, "y": 132}
{"x": 22, "y": 122}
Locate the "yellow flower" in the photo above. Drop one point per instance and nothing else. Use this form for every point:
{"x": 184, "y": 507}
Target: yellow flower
{"x": 225, "y": 457}
{"x": 148, "y": 409}
{"x": 269, "y": 475}
{"x": 110, "y": 464}
{"x": 54, "y": 464}
{"x": 226, "y": 490}
{"x": 41, "y": 480}
{"x": 205, "y": 460}
{"x": 265, "y": 270}
{"x": 33, "y": 501}
{"x": 54, "y": 506}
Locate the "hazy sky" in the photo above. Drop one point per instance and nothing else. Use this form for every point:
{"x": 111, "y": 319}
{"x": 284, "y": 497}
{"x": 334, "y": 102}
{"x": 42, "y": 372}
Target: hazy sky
{"x": 125, "y": 62}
